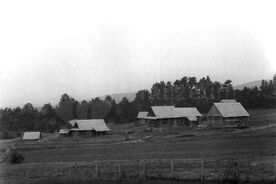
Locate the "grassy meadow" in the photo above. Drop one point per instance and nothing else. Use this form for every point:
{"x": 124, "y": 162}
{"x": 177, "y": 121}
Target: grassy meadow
{"x": 150, "y": 154}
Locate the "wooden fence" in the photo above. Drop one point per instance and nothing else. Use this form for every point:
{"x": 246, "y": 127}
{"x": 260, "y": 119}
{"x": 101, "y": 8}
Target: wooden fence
{"x": 181, "y": 169}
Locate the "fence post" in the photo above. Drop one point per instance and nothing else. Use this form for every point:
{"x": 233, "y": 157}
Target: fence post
{"x": 202, "y": 170}
{"x": 275, "y": 167}
{"x": 119, "y": 170}
{"x": 90, "y": 168}
{"x": 51, "y": 174}
{"x": 172, "y": 168}
{"x": 96, "y": 169}
{"x": 74, "y": 173}
{"x": 78, "y": 178}
{"x": 144, "y": 169}
{"x": 26, "y": 176}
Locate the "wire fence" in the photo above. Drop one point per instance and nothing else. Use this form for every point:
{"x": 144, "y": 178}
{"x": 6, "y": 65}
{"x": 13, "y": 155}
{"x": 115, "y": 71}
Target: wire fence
{"x": 202, "y": 169}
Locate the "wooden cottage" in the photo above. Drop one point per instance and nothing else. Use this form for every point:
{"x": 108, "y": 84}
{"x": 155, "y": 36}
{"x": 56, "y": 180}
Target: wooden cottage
{"x": 170, "y": 115}
{"x": 226, "y": 114}
{"x": 88, "y": 127}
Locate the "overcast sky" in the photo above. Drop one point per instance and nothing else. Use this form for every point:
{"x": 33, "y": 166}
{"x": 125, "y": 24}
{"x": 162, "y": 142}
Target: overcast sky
{"x": 93, "y": 48}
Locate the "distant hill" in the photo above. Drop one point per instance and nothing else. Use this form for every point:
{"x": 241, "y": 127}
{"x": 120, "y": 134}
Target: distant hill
{"x": 118, "y": 97}
{"x": 249, "y": 84}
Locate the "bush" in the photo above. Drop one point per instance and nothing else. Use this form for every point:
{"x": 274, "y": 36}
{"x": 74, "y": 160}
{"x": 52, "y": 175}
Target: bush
{"x": 6, "y": 135}
{"x": 16, "y": 158}
{"x": 18, "y": 134}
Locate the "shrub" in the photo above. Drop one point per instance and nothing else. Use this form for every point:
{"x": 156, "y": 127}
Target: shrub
{"x": 16, "y": 158}
{"x": 18, "y": 134}
{"x": 7, "y": 135}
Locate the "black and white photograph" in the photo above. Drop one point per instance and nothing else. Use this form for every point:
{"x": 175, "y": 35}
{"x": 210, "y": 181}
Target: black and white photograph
{"x": 137, "y": 92}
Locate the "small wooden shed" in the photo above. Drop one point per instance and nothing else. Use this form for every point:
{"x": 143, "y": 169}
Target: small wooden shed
{"x": 141, "y": 117}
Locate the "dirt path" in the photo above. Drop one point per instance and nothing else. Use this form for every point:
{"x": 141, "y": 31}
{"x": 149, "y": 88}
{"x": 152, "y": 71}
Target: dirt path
{"x": 263, "y": 127}
{"x": 256, "y": 128}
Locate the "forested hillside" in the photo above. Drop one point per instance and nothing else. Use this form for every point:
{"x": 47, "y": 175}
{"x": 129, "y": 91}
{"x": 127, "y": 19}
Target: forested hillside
{"x": 184, "y": 92}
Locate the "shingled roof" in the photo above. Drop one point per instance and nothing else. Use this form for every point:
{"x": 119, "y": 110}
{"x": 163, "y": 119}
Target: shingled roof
{"x": 90, "y": 124}
{"x": 228, "y": 110}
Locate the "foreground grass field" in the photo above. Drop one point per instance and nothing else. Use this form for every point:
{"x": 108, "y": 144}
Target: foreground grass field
{"x": 169, "y": 142}
{"x": 255, "y": 151}
{"x": 170, "y": 147}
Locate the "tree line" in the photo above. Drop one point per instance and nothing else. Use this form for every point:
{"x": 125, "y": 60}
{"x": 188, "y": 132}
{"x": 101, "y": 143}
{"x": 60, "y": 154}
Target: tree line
{"x": 184, "y": 92}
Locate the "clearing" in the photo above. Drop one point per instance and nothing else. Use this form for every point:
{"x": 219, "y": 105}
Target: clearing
{"x": 255, "y": 150}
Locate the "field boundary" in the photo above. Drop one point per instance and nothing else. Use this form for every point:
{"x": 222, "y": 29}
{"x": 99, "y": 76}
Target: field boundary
{"x": 200, "y": 169}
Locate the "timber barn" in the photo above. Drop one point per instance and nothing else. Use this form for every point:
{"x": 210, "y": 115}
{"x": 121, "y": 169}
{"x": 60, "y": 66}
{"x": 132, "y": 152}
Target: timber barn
{"x": 226, "y": 113}
{"x": 88, "y": 127}
{"x": 170, "y": 115}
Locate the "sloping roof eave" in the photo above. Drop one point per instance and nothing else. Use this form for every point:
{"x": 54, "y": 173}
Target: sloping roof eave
{"x": 142, "y": 115}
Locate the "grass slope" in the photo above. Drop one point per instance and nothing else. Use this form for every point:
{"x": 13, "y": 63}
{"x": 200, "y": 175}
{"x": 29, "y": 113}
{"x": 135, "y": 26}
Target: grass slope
{"x": 256, "y": 149}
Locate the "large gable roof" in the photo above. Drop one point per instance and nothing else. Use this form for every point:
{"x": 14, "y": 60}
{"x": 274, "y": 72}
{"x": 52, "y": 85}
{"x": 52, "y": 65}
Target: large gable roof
{"x": 163, "y": 112}
{"x": 90, "y": 124}
{"x": 227, "y": 110}
{"x": 31, "y": 136}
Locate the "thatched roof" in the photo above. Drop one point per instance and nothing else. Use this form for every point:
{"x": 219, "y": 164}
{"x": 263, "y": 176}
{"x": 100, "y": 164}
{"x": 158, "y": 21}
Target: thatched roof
{"x": 227, "y": 110}
{"x": 31, "y": 136}
{"x": 142, "y": 115}
{"x": 89, "y": 124}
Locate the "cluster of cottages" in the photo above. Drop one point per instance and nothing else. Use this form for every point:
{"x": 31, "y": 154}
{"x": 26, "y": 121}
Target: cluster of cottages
{"x": 224, "y": 113}
{"x": 84, "y": 128}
